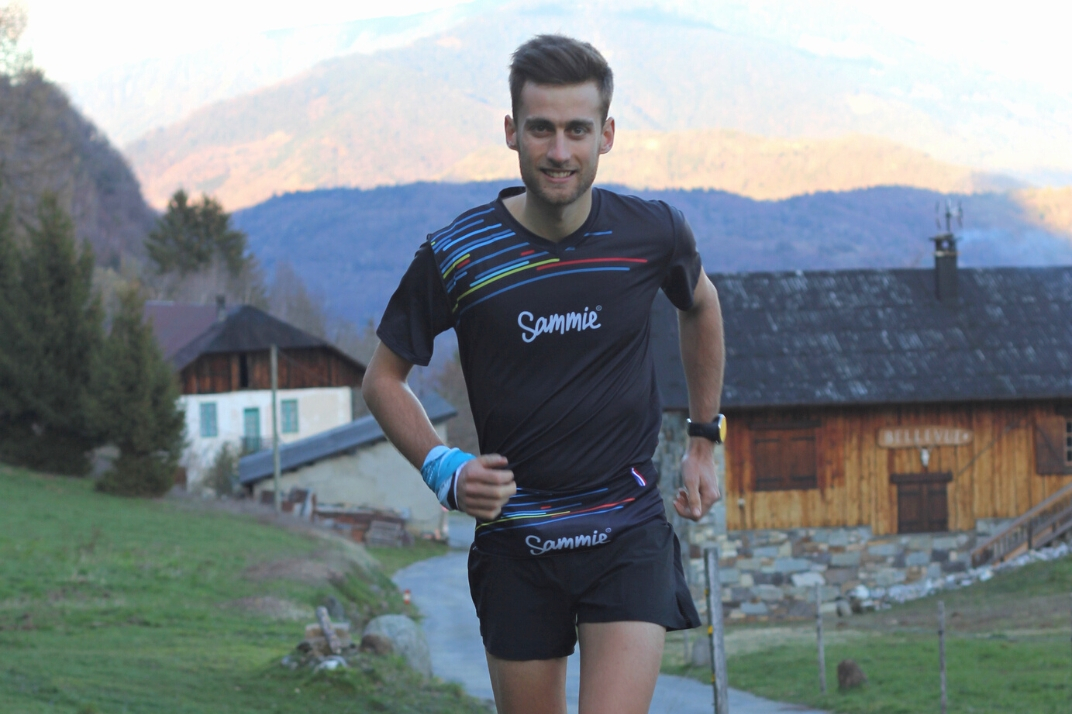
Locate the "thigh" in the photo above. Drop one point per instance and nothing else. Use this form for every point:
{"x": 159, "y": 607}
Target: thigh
{"x": 528, "y": 687}
{"x": 619, "y": 665}
{"x": 637, "y": 578}
{"x": 524, "y": 611}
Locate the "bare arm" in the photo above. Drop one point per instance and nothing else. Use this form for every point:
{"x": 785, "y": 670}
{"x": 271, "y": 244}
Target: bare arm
{"x": 703, "y": 355}
{"x": 396, "y": 407}
{"x": 483, "y": 486}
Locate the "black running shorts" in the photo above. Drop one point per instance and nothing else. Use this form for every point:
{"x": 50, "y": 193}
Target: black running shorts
{"x": 529, "y": 607}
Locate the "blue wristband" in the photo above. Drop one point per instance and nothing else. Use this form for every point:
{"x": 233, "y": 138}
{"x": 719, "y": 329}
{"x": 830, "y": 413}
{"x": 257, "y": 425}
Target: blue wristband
{"x": 440, "y": 471}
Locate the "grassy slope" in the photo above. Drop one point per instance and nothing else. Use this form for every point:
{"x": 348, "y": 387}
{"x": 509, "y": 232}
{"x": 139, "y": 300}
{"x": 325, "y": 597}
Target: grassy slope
{"x": 1007, "y": 649}
{"x": 111, "y": 605}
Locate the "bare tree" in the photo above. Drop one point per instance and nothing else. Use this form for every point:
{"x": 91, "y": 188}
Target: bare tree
{"x": 291, "y": 301}
{"x": 13, "y": 61}
{"x": 202, "y": 287}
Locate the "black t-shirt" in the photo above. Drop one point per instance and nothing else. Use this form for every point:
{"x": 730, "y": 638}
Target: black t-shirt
{"x": 553, "y": 337}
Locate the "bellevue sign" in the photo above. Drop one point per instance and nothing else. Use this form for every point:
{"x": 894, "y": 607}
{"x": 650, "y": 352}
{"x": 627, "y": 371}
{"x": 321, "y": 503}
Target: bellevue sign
{"x": 907, "y": 437}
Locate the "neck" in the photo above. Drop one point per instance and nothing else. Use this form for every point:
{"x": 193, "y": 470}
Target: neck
{"x": 549, "y": 221}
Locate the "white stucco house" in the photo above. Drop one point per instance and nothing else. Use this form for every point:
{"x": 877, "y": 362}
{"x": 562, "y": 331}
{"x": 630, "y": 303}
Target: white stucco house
{"x": 222, "y": 358}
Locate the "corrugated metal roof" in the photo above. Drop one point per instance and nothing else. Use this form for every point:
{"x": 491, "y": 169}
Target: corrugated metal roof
{"x": 881, "y": 336}
{"x": 340, "y": 440}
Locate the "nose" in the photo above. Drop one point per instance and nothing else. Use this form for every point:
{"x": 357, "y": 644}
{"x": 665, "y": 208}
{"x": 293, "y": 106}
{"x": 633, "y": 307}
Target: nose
{"x": 559, "y": 151}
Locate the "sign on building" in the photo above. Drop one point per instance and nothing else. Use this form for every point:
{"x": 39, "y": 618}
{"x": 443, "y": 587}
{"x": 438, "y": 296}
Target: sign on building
{"x": 904, "y": 437}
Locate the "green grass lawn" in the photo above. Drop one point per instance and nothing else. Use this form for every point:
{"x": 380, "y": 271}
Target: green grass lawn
{"x": 392, "y": 560}
{"x": 1007, "y": 649}
{"x": 114, "y": 605}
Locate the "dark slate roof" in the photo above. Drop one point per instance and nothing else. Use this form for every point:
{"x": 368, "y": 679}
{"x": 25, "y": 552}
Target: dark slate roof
{"x": 340, "y": 440}
{"x": 248, "y": 329}
{"x": 861, "y": 337}
{"x": 176, "y": 325}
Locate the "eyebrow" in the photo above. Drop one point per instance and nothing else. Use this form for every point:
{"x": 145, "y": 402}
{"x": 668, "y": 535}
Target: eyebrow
{"x": 531, "y": 122}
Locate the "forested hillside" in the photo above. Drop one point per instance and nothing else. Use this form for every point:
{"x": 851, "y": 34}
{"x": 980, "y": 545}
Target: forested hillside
{"x": 353, "y": 245}
{"x": 46, "y": 145}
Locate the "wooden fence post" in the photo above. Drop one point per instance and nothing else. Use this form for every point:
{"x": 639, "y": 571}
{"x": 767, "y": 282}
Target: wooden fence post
{"x": 714, "y": 629}
{"x": 941, "y": 652}
{"x": 819, "y": 637}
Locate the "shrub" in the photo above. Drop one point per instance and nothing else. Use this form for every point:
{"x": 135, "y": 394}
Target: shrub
{"x": 222, "y": 476}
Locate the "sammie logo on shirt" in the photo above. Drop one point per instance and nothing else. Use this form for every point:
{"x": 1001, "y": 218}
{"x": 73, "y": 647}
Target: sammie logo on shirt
{"x": 539, "y": 547}
{"x": 532, "y": 326}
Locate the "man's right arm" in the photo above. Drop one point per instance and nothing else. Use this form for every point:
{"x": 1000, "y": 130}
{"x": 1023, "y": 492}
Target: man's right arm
{"x": 483, "y": 484}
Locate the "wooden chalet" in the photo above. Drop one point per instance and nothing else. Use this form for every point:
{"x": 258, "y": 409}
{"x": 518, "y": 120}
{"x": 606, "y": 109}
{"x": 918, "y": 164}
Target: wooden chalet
{"x": 907, "y": 401}
{"x": 218, "y": 349}
{"x": 222, "y": 357}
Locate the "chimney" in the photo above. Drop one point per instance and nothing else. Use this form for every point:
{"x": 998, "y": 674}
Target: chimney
{"x": 945, "y": 267}
{"x": 221, "y": 308}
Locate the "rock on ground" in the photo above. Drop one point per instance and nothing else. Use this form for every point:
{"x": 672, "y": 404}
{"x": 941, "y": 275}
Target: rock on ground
{"x": 849, "y": 675}
{"x": 406, "y": 638}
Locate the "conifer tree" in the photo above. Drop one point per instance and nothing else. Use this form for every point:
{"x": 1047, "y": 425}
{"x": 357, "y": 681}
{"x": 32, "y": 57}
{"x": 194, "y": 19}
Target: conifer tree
{"x": 12, "y": 329}
{"x": 137, "y": 408}
{"x": 191, "y": 235}
{"x": 52, "y": 432}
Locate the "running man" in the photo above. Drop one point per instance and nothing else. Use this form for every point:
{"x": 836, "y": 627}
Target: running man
{"x": 549, "y": 289}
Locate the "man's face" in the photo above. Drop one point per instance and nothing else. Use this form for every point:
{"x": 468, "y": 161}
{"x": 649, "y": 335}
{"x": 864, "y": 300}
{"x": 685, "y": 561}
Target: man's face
{"x": 559, "y": 135}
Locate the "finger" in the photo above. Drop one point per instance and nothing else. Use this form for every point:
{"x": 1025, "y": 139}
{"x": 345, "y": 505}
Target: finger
{"x": 492, "y": 460}
{"x": 490, "y": 493}
{"x": 681, "y": 504}
{"x": 489, "y": 479}
{"x": 695, "y": 505}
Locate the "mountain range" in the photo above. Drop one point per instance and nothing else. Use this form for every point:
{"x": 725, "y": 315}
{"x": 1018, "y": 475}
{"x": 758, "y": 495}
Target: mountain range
{"x": 432, "y": 109}
{"x": 353, "y": 245}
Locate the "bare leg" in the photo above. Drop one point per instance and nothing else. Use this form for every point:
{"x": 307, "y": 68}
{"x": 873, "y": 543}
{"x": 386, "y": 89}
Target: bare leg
{"x": 531, "y": 687}
{"x": 619, "y": 665}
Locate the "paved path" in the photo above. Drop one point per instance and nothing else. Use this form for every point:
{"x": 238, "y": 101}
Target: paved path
{"x": 440, "y": 589}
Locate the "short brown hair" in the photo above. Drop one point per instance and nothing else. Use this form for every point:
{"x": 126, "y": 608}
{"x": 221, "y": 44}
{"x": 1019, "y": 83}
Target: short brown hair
{"x": 558, "y": 60}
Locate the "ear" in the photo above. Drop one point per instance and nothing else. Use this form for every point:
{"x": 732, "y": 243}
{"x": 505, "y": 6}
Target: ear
{"x": 511, "y": 132}
{"x": 606, "y": 141}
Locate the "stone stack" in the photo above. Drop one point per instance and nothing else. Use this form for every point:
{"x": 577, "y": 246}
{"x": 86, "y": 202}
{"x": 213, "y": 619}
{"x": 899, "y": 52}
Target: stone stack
{"x": 772, "y": 574}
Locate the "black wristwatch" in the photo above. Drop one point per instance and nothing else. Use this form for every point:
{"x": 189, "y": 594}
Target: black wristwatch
{"x": 714, "y": 431}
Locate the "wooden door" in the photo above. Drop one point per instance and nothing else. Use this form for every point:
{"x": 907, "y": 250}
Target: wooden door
{"x": 922, "y": 502}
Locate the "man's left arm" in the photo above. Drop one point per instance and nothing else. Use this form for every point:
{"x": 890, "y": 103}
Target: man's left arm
{"x": 703, "y": 354}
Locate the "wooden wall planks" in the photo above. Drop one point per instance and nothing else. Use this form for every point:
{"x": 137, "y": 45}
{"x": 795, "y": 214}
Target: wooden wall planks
{"x": 298, "y": 369}
{"x": 994, "y": 475}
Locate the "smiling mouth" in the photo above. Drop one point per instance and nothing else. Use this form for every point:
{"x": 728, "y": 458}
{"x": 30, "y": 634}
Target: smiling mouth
{"x": 557, "y": 173}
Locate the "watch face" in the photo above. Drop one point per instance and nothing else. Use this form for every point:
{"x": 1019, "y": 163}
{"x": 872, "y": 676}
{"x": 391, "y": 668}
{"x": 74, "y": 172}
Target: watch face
{"x": 721, "y": 429}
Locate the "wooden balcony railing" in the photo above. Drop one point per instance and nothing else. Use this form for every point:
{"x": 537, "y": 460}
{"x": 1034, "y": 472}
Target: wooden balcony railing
{"x": 1039, "y": 526}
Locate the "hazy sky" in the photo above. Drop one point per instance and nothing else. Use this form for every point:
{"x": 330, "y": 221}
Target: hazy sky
{"x": 75, "y": 39}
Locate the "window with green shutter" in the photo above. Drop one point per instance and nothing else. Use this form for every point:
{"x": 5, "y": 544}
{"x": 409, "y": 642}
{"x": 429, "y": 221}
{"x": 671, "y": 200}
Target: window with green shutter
{"x": 209, "y": 427}
{"x": 289, "y": 408}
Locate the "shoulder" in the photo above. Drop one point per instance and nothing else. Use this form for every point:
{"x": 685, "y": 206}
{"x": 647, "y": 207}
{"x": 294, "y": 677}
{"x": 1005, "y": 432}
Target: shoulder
{"x": 441, "y": 244}
{"x": 476, "y": 216}
{"x": 646, "y": 212}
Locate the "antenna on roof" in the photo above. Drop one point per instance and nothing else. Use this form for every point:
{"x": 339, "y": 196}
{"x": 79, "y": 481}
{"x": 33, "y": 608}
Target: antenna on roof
{"x": 950, "y": 214}
{"x": 945, "y": 251}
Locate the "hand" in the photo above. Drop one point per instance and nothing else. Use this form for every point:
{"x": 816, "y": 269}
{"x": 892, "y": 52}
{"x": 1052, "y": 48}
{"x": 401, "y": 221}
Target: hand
{"x": 700, "y": 490}
{"x": 484, "y": 486}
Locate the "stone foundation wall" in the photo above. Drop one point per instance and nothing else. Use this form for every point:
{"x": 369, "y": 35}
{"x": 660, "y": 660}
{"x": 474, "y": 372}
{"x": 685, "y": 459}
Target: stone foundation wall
{"x": 773, "y": 574}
